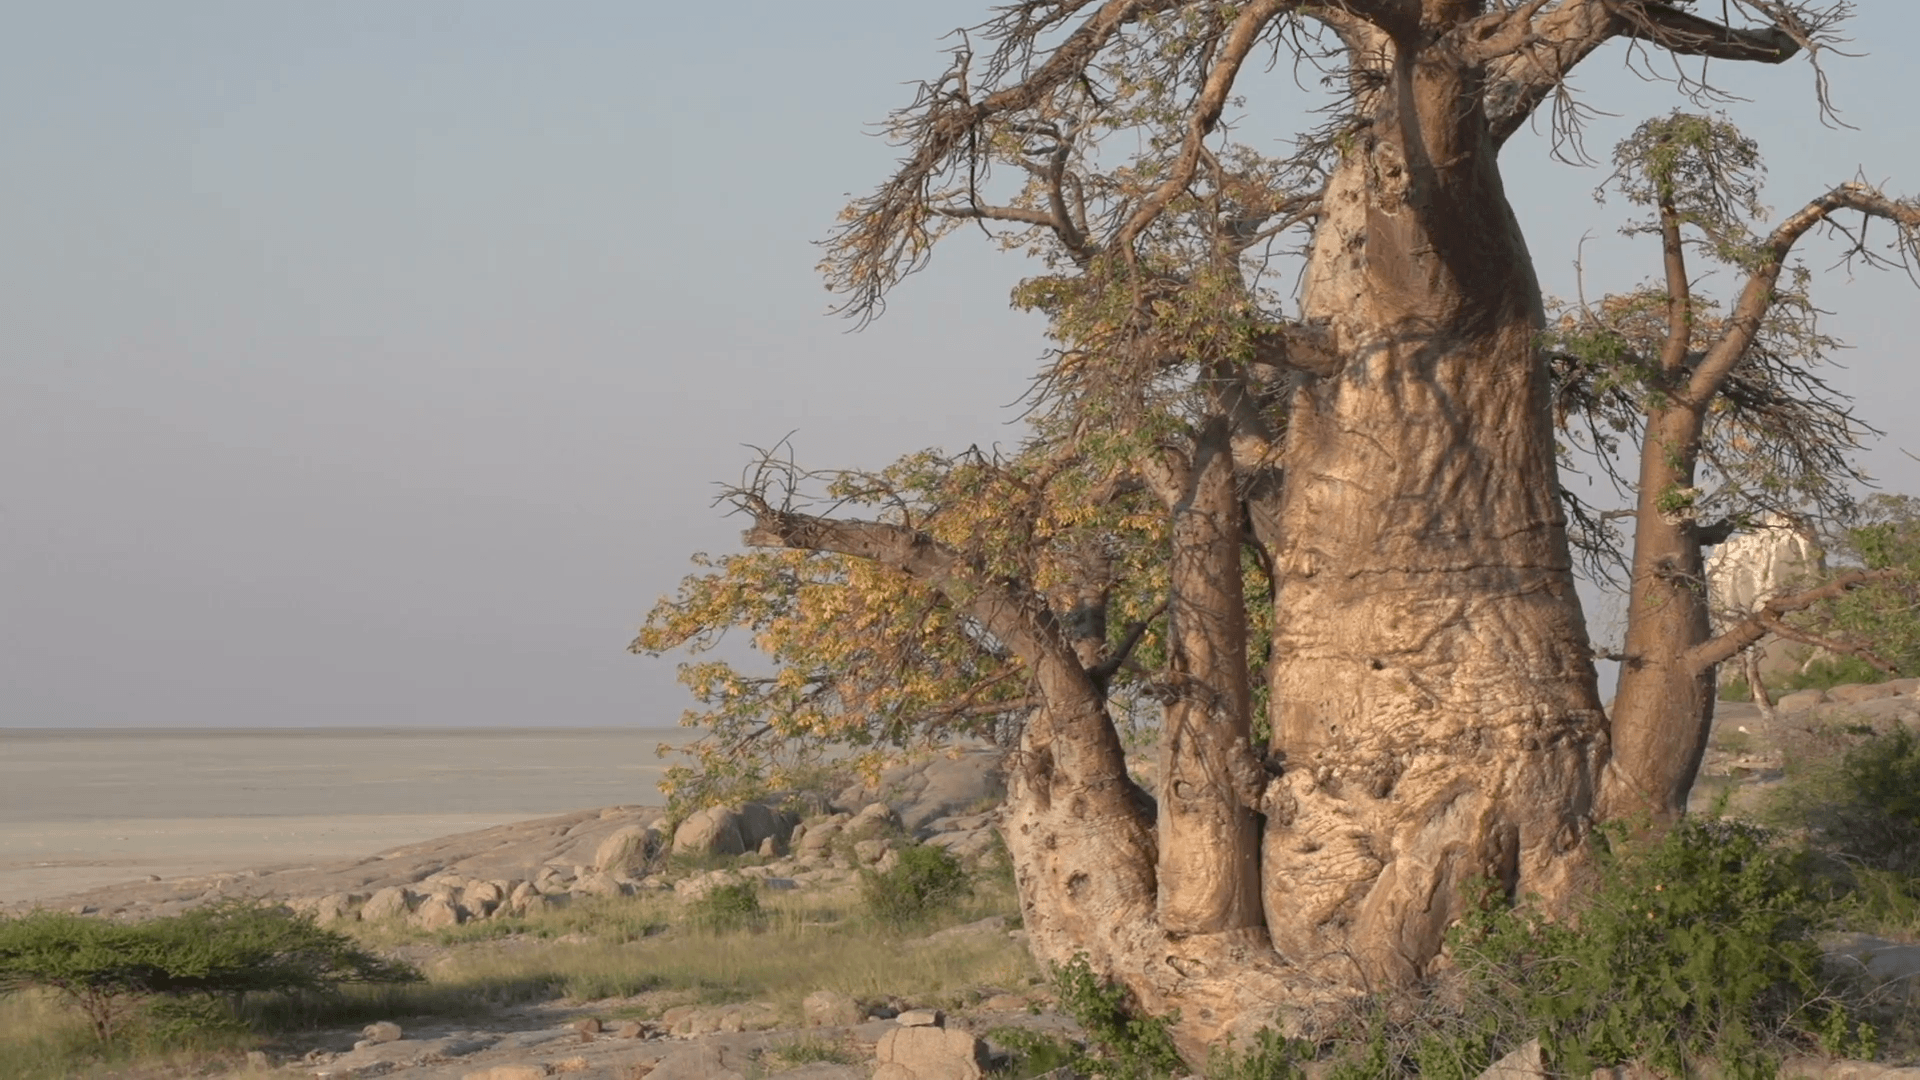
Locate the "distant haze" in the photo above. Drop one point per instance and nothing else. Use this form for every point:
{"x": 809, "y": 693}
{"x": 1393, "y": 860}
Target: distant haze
{"x": 373, "y": 363}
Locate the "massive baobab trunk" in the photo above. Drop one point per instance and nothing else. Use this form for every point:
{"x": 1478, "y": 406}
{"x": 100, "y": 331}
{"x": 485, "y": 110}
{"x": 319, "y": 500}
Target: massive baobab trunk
{"x": 1434, "y": 691}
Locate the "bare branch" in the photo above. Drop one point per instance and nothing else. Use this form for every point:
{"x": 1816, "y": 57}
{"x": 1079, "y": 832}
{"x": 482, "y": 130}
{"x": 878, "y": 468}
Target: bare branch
{"x": 1520, "y": 79}
{"x": 1757, "y": 296}
{"x": 1246, "y": 33}
{"x": 885, "y": 237}
{"x": 1767, "y": 619}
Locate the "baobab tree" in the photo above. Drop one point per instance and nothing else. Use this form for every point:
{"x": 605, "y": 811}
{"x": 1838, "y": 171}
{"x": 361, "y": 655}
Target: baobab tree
{"x": 1729, "y": 418}
{"x": 1336, "y": 532}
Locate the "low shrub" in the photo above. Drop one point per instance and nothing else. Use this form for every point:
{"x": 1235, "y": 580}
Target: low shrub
{"x": 728, "y": 907}
{"x": 1697, "y": 946}
{"x": 925, "y": 879}
{"x": 1866, "y": 805}
{"x": 1124, "y": 1043}
{"x": 200, "y": 963}
{"x": 1270, "y": 1056}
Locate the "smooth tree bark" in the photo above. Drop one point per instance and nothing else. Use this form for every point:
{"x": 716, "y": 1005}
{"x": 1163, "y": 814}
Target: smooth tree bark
{"x": 1663, "y": 707}
{"x": 1432, "y": 700}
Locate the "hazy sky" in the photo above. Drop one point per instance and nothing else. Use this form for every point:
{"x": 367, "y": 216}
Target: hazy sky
{"x": 373, "y": 363}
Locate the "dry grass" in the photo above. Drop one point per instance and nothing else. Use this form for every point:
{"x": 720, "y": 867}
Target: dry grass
{"x": 610, "y": 950}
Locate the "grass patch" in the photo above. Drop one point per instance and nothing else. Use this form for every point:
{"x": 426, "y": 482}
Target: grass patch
{"x": 813, "y": 1050}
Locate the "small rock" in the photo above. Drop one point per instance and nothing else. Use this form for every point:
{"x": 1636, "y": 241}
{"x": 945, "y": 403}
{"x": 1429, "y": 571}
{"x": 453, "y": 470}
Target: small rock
{"x": 388, "y": 903}
{"x": 508, "y": 1072}
{"x": 713, "y": 831}
{"x": 921, "y": 1018}
{"x": 1523, "y": 1063}
{"x": 436, "y": 912}
{"x": 873, "y": 818}
{"x": 550, "y": 881}
{"x": 624, "y": 847}
{"x": 594, "y": 883}
{"x": 830, "y": 1008}
{"x": 1855, "y": 693}
{"x": 929, "y": 1053}
{"x": 632, "y": 1029}
{"x": 384, "y": 1031}
{"x": 338, "y": 908}
{"x": 1800, "y": 700}
{"x": 258, "y": 1059}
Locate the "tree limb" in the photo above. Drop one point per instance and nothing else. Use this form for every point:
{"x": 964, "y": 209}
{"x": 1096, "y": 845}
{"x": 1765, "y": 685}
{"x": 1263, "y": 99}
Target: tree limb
{"x": 1246, "y": 32}
{"x": 1302, "y": 347}
{"x": 1519, "y": 80}
{"x": 1757, "y": 296}
{"x": 1794, "y": 633}
{"x": 1767, "y": 619}
{"x": 1111, "y": 666}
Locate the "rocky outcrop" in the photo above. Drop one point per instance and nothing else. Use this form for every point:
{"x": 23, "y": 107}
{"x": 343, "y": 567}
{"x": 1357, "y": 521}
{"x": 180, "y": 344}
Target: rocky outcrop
{"x": 949, "y": 782}
{"x": 1752, "y": 567}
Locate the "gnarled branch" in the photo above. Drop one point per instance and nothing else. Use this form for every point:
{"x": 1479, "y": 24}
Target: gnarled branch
{"x": 1757, "y": 296}
{"x": 1520, "y": 79}
{"x": 1766, "y": 620}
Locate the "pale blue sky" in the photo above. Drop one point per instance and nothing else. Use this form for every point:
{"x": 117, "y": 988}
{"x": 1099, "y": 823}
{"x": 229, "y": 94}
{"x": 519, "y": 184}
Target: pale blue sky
{"x": 372, "y": 363}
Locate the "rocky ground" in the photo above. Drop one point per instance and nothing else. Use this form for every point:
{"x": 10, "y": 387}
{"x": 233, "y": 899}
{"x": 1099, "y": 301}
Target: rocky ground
{"x": 949, "y": 800}
{"x": 1748, "y": 754}
{"x": 840, "y": 1041}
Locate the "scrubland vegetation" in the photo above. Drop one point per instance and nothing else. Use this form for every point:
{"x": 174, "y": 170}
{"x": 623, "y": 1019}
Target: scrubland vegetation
{"x": 632, "y": 956}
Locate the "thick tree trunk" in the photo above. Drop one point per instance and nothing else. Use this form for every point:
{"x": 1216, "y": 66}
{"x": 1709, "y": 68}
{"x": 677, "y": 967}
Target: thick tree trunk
{"x": 1209, "y": 839}
{"x": 1433, "y": 692}
{"x": 1663, "y": 707}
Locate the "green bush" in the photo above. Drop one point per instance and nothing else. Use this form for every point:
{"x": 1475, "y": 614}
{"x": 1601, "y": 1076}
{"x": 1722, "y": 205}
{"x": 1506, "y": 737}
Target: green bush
{"x": 1698, "y": 946}
{"x": 924, "y": 880}
{"x": 728, "y": 907}
{"x": 1270, "y": 1057}
{"x": 192, "y": 961}
{"x": 1871, "y": 808}
{"x": 1126, "y": 1044}
{"x": 1829, "y": 672}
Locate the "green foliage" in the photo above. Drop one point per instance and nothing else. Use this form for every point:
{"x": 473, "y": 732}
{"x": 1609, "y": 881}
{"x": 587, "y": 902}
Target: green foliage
{"x": 1034, "y": 1053}
{"x": 107, "y": 970}
{"x": 1271, "y": 1056}
{"x": 1702, "y": 170}
{"x": 924, "y": 880}
{"x": 1126, "y": 1045}
{"x": 1827, "y": 672}
{"x": 728, "y": 907}
{"x": 1884, "y": 535}
{"x": 1863, "y": 807}
{"x": 1698, "y": 946}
